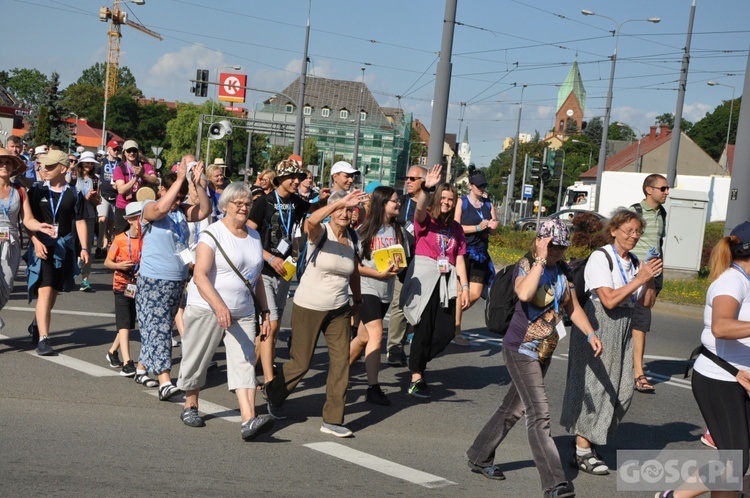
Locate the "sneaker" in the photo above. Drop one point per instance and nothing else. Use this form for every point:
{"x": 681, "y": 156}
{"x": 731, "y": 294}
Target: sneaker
{"x": 128, "y": 369}
{"x": 168, "y": 391}
{"x": 335, "y": 430}
{"x": 707, "y": 439}
{"x": 44, "y": 348}
{"x": 85, "y": 286}
{"x": 420, "y": 389}
{"x": 256, "y": 425}
{"x": 190, "y": 417}
{"x": 145, "y": 380}
{"x": 376, "y": 396}
{"x": 394, "y": 356}
{"x": 460, "y": 340}
{"x": 34, "y": 333}
{"x": 560, "y": 491}
{"x": 275, "y": 411}
{"x": 114, "y": 359}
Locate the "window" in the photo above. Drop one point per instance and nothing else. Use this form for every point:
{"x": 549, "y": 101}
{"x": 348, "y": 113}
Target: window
{"x": 362, "y": 115}
{"x": 307, "y": 111}
{"x": 562, "y": 123}
{"x": 343, "y": 114}
{"x": 325, "y": 112}
{"x": 289, "y": 109}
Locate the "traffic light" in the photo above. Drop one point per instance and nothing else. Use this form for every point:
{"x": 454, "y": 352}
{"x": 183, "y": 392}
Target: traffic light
{"x": 534, "y": 168}
{"x": 201, "y": 85}
{"x": 549, "y": 161}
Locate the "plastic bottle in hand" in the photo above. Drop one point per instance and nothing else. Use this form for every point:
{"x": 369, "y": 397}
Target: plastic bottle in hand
{"x": 653, "y": 253}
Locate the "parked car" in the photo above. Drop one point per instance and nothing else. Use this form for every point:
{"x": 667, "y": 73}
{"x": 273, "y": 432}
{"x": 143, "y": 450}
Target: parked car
{"x": 566, "y": 215}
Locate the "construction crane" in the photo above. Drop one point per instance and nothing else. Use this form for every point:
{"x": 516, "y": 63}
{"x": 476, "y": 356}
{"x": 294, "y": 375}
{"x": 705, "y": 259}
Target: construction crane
{"x": 117, "y": 18}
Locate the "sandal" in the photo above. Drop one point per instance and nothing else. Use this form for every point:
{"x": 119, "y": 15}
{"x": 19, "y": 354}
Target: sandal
{"x": 491, "y": 472}
{"x": 643, "y": 385}
{"x": 591, "y": 463}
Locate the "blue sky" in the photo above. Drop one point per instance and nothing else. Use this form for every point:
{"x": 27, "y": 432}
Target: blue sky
{"x": 496, "y": 44}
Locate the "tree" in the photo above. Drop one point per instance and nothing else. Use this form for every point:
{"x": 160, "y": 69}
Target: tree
{"x": 85, "y": 100}
{"x": 310, "y": 152}
{"x": 594, "y": 130}
{"x": 95, "y": 75}
{"x": 668, "y": 119}
{"x": 151, "y": 129}
{"x": 620, "y": 131}
{"x": 710, "y": 133}
{"x": 48, "y": 120}
{"x": 27, "y": 85}
{"x": 418, "y": 148}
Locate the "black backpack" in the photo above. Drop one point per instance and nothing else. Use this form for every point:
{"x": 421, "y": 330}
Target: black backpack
{"x": 303, "y": 260}
{"x": 578, "y": 267}
{"x": 501, "y": 300}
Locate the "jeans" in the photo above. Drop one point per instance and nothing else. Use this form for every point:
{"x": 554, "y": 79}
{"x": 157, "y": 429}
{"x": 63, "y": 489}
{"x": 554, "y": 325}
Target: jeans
{"x": 528, "y": 395}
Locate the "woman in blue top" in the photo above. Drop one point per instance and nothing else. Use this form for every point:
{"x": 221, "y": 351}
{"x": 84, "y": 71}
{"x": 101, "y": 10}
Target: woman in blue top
{"x": 541, "y": 281}
{"x": 164, "y": 266}
{"x": 87, "y": 183}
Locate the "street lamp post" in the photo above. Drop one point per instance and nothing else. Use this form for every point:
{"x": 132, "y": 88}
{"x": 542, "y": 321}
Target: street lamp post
{"x": 637, "y": 167}
{"x": 729, "y": 126}
{"x": 355, "y": 160}
{"x": 608, "y": 108}
{"x": 512, "y": 181}
{"x": 208, "y": 145}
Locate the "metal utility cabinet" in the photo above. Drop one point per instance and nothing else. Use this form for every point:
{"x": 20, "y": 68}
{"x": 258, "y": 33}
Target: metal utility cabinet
{"x": 686, "y": 225}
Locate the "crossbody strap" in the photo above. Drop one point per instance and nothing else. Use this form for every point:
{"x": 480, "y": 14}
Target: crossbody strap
{"x": 731, "y": 369}
{"x": 247, "y": 283}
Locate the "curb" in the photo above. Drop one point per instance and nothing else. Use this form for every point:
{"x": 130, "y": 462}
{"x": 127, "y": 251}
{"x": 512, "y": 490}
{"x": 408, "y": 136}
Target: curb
{"x": 687, "y": 310}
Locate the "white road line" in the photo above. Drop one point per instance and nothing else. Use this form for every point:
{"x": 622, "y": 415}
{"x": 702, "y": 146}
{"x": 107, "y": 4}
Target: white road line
{"x": 62, "y": 312}
{"x": 206, "y": 407}
{"x": 380, "y": 465}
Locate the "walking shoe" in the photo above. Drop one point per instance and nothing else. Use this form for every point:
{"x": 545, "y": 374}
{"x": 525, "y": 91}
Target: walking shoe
{"x": 34, "y": 333}
{"x": 560, "y": 491}
{"x": 335, "y": 430}
{"x": 491, "y": 472}
{"x": 376, "y": 396}
{"x": 145, "y": 380}
{"x": 190, "y": 417}
{"x": 168, "y": 391}
{"x": 128, "y": 369}
{"x": 395, "y": 355}
{"x": 44, "y": 348}
{"x": 85, "y": 286}
{"x": 460, "y": 340}
{"x": 420, "y": 389}
{"x": 707, "y": 439}
{"x": 256, "y": 425}
{"x": 114, "y": 359}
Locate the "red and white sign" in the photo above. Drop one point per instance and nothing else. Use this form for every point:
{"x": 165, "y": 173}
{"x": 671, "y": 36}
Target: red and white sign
{"x": 231, "y": 87}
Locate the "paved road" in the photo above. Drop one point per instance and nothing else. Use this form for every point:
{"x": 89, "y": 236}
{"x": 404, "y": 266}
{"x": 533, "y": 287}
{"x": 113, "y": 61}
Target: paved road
{"x": 69, "y": 425}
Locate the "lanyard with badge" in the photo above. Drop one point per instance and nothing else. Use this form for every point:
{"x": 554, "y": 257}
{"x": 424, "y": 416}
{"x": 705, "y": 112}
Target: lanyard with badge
{"x": 175, "y": 219}
{"x": 5, "y": 231}
{"x": 408, "y": 222}
{"x": 130, "y": 287}
{"x": 622, "y": 272}
{"x": 55, "y": 207}
{"x": 443, "y": 264}
{"x": 285, "y": 243}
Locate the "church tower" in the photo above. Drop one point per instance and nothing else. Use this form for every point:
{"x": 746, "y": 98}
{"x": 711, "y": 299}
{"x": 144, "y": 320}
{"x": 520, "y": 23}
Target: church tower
{"x": 571, "y": 102}
{"x": 464, "y": 150}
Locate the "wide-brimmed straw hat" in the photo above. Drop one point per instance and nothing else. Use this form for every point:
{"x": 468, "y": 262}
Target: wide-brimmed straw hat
{"x": 19, "y": 165}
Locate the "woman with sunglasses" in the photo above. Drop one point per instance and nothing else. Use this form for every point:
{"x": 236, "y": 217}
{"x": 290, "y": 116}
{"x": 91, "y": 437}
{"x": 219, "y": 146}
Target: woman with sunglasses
{"x": 543, "y": 283}
{"x": 164, "y": 267}
{"x": 130, "y": 175}
{"x": 599, "y": 389}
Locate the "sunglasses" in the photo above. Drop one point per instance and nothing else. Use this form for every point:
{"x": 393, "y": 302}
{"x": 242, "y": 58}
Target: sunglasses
{"x": 660, "y": 189}
{"x": 50, "y": 167}
{"x": 414, "y": 178}
{"x": 132, "y": 151}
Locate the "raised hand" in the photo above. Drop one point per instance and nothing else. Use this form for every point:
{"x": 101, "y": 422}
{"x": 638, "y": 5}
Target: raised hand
{"x": 433, "y": 176}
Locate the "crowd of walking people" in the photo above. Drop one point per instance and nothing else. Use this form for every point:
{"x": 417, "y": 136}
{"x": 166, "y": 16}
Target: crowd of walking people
{"x": 214, "y": 259}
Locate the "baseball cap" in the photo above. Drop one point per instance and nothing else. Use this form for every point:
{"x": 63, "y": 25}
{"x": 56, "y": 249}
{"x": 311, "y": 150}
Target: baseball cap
{"x": 256, "y": 190}
{"x": 130, "y": 144}
{"x": 343, "y": 167}
{"x": 133, "y": 209}
{"x": 478, "y": 179}
{"x": 296, "y": 158}
{"x": 557, "y": 230}
{"x": 54, "y": 157}
{"x": 42, "y": 149}
{"x": 113, "y": 143}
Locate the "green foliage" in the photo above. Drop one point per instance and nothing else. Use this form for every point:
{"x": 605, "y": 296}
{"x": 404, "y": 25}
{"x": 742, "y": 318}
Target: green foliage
{"x": 87, "y": 101}
{"x": 418, "y": 147}
{"x": 310, "y": 152}
{"x": 40, "y": 128}
{"x": 710, "y": 133}
{"x": 27, "y": 85}
{"x": 48, "y": 121}
{"x": 668, "y": 119}
{"x": 94, "y": 76}
{"x": 593, "y": 132}
{"x": 620, "y": 131}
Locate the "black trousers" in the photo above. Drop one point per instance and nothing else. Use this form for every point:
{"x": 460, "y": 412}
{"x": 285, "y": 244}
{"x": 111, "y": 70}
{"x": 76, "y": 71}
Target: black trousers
{"x": 433, "y": 333}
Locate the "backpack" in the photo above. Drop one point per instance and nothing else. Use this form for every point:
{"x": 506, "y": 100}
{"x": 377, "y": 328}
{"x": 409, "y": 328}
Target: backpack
{"x": 501, "y": 300}
{"x": 578, "y": 268}
{"x": 303, "y": 260}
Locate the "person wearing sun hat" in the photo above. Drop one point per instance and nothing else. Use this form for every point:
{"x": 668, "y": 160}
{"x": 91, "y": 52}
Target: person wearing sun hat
{"x": 51, "y": 261}
{"x": 87, "y": 183}
{"x": 128, "y": 178}
{"x": 276, "y": 216}
{"x": 109, "y": 162}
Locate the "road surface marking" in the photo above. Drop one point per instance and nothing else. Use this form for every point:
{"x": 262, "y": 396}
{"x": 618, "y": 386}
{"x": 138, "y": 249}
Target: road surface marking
{"x": 380, "y": 465}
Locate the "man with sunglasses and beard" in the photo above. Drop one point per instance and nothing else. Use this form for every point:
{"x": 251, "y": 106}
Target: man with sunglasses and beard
{"x": 650, "y": 245}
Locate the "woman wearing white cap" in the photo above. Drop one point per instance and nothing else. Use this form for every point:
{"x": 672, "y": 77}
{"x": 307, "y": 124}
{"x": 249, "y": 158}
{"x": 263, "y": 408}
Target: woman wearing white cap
{"x": 87, "y": 183}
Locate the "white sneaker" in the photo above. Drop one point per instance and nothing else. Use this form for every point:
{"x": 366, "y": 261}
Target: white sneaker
{"x": 460, "y": 340}
{"x": 335, "y": 430}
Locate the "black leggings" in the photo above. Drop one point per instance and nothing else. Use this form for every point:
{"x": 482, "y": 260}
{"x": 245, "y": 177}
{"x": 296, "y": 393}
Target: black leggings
{"x": 725, "y": 407}
{"x": 433, "y": 333}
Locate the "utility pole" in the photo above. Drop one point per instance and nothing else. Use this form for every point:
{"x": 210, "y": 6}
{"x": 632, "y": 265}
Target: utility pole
{"x": 442, "y": 88}
{"x": 739, "y": 188}
{"x": 303, "y": 82}
{"x": 674, "y": 142}
{"x": 511, "y": 183}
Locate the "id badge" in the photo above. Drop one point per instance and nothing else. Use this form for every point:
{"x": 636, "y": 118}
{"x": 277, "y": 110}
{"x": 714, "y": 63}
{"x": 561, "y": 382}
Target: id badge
{"x": 561, "y": 331}
{"x": 443, "y": 265}
{"x": 186, "y": 255}
{"x": 56, "y": 228}
{"x": 283, "y": 246}
{"x": 4, "y": 233}
{"x": 130, "y": 291}
{"x": 409, "y": 226}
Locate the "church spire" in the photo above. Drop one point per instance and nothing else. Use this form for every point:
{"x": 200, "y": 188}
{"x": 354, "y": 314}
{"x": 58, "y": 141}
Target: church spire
{"x": 572, "y": 84}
